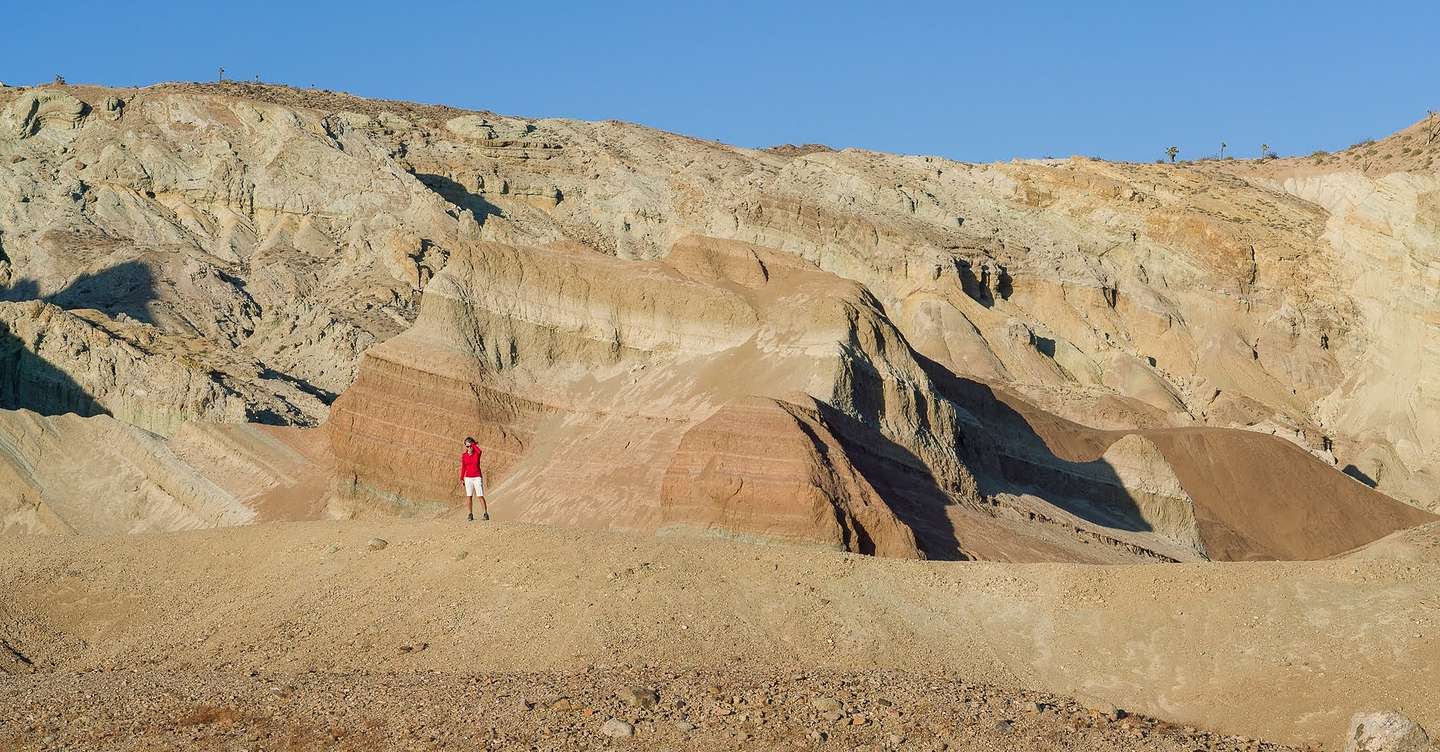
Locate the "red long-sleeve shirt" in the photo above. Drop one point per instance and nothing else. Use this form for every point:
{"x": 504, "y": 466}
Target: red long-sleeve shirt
{"x": 470, "y": 464}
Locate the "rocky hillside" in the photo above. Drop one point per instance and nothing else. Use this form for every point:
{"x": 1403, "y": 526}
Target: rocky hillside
{"x": 908, "y": 356}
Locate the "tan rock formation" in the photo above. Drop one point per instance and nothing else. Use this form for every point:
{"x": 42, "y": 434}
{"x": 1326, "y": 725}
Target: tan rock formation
{"x": 603, "y": 304}
{"x": 59, "y": 361}
{"x": 73, "y": 475}
{"x": 771, "y": 470}
{"x": 581, "y": 371}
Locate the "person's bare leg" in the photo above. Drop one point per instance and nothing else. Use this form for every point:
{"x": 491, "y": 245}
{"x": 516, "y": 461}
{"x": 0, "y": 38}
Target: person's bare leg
{"x": 471, "y": 501}
{"x": 484, "y": 510}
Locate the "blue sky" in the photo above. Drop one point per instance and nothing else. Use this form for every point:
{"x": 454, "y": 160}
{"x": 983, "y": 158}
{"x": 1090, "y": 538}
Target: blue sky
{"x": 972, "y": 81}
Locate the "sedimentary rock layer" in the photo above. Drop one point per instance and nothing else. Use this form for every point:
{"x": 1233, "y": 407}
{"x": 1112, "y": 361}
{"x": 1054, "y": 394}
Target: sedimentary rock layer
{"x": 606, "y": 308}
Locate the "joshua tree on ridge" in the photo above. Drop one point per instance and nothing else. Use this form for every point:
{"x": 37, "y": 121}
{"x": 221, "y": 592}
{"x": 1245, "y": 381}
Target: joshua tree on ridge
{"x": 1264, "y": 150}
{"x": 1171, "y": 152}
{"x": 1222, "y": 149}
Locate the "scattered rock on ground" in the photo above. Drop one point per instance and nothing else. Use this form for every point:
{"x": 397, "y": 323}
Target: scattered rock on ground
{"x": 617, "y": 728}
{"x": 639, "y": 697}
{"x": 1386, "y": 731}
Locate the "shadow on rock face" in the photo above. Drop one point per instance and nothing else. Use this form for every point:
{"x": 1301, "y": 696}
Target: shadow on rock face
{"x": 27, "y": 380}
{"x": 1010, "y": 456}
{"x": 459, "y": 195}
{"x": 1360, "y": 475}
{"x": 902, "y": 480}
{"x": 125, "y": 288}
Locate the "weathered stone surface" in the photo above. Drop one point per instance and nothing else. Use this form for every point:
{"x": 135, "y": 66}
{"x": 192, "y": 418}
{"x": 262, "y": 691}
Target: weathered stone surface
{"x": 616, "y": 728}
{"x": 59, "y": 361}
{"x": 25, "y": 115}
{"x": 1385, "y": 731}
{"x": 67, "y": 474}
{"x": 606, "y": 306}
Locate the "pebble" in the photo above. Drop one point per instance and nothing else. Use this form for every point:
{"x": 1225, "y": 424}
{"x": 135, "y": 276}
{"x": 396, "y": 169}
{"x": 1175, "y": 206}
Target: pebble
{"x": 375, "y": 544}
{"x": 639, "y": 697}
{"x": 617, "y": 728}
{"x": 684, "y": 726}
{"x": 826, "y": 704}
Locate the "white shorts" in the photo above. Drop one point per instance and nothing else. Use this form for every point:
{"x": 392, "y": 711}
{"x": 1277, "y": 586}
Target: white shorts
{"x": 474, "y": 486}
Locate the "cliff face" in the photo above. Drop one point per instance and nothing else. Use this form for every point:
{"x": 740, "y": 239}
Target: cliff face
{"x": 899, "y": 355}
{"x": 606, "y": 379}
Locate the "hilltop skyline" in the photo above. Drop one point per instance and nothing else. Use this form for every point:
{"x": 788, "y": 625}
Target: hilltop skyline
{"x": 972, "y": 84}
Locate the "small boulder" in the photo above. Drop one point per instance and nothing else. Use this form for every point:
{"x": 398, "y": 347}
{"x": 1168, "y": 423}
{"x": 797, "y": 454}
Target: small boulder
{"x": 826, "y": 704}
{"x": 375, "y": 544}
{"x": 1385, "y": 731}
{"x": 617, "y": 728}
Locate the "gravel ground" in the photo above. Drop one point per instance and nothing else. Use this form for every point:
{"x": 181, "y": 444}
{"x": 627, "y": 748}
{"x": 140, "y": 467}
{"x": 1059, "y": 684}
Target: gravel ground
{"x": 660, "y": 709}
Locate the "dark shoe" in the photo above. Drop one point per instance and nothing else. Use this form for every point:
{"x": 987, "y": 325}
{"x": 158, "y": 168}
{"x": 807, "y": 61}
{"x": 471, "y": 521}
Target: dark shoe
{"x": 472, "y": 518}
{"x": 485, "y": 516}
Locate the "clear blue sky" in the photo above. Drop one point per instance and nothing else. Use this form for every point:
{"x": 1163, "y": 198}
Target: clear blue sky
{"x": 972, "y": 81}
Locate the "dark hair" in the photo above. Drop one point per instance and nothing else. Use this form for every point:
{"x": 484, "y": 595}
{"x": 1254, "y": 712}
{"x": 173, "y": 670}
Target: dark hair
{"x": 471, "y": 440}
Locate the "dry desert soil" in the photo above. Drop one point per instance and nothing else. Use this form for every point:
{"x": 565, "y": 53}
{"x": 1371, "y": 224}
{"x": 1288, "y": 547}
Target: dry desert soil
{"x": 505, "y": 636}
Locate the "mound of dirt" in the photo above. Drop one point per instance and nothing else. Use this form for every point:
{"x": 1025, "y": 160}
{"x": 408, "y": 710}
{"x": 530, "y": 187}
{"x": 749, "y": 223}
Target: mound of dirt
{"x": 1280, "y": 651}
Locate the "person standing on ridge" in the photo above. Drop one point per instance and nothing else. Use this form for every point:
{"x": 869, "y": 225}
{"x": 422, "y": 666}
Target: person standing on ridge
{"x": 473, "y": 479}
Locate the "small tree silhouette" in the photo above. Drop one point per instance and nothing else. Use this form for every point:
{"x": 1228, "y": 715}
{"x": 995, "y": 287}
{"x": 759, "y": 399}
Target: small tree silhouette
{"x": 222, "y": 73}
{"x": 59, "y": 80}
{"x": 1264, "y": 150}
{"x": 1222, "y": 149}
{"x": 1171, "y": 152}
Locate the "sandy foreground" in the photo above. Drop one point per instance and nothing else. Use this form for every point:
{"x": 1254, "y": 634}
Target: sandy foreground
{"x": 304, "y": 635}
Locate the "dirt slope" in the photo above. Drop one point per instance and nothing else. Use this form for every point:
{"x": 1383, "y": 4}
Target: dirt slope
{"x": 1283, "y": 651}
